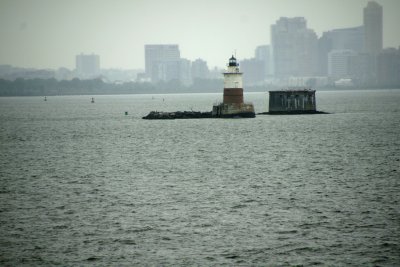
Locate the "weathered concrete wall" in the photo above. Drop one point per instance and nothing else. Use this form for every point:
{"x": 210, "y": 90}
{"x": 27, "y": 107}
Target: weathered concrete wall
{"x": 292, "y": 100}
{"x": 222, "y": 110}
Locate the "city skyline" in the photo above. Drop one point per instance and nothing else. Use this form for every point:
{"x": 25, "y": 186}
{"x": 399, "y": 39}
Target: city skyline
{"x": 49, "y": 34}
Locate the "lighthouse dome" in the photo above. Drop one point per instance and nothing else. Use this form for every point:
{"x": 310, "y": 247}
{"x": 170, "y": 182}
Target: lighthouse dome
{"x": 232, "y": 62}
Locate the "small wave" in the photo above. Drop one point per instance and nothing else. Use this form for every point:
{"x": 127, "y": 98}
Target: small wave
{"x": 125, "y": 241}
{"x": 287, "y": 232}
{"x": 204, "y": 225}
{"x": 92, "y": 258}
{"x": 311, "y": 225}
{"x": 304, "y": 249}
{"x": 381, "y": 259}
{"x": 231, "y": 256}
{"x": 60, "y": 227}
{"x": 138, "y": 230}
{"x": 239, "y": 206}
{"x": 389, "y": 245}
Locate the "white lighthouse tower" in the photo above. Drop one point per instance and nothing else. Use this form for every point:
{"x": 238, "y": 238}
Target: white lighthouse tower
{"x": 233, "y": 83}
{"x": 233, "y": 104}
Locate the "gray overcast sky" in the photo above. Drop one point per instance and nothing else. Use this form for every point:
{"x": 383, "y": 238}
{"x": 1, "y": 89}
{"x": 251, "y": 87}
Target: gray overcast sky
{"x": 49, "y": 33}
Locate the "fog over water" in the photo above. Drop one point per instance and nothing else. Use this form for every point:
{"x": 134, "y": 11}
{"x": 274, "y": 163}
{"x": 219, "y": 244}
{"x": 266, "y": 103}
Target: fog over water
{"x": 49, "y": 33}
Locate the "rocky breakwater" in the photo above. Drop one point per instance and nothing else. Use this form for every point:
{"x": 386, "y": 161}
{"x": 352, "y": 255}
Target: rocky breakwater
{"x": 157, "y": 115}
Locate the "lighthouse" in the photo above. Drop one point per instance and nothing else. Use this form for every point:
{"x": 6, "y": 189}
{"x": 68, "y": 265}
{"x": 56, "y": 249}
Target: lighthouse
{"x": 233, "y": 104}
{"x": 233, "y": 83}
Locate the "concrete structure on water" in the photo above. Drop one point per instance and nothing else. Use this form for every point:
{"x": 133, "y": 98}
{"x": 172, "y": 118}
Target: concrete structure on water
{"x": 233, "y": 104}
{"x": 293, "y": 101}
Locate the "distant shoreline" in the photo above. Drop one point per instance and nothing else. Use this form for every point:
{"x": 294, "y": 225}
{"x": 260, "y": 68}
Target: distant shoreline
{"x": 52, "y": 87}
{"x": 190, "y": 92}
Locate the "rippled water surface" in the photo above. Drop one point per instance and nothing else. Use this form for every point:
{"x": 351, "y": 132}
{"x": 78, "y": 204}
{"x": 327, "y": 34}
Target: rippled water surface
{"x": 84, "y": 184}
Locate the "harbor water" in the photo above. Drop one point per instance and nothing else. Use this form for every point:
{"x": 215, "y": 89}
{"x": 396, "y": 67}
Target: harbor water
{"x": 92, "y": 184}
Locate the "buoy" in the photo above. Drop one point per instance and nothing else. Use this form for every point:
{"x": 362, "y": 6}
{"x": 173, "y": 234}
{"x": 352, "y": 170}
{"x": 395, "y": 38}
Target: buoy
{"x": 126, "y": 112}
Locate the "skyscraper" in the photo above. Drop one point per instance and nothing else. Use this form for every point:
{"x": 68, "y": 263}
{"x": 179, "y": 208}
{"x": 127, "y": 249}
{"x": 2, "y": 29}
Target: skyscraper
{"x": 262, "y": 53}
{"x": 373, "y": 28}
{"x": 294, "y": 48}
{"x": 339, "y": 39}
{"x": 162, "y": 62}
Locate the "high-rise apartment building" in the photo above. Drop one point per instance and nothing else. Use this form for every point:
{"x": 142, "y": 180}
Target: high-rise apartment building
{"x": 253, "y": 71}
{"x": 87, "y": 66}
{"x": 372, "y": 17}
{"x": 339, "y": 63}
{"x": 162, "y": 62}
{"x": 388, "y": 67}
{"x": 373, "y": 28}
{"x": 338, "y": 39}
{"x": 263, "y": 54}
{"x": 346, "y": 38}
{"x": 200, "y": 69}
{"x": 185, "y": 74}
{"x": 294, "y": 48}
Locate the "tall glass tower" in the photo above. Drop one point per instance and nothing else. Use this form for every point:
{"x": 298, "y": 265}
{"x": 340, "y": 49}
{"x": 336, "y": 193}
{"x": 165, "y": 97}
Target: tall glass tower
{"x": 373, "y": 28}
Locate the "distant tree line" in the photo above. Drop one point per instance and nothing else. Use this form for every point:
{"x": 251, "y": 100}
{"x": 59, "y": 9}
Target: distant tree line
{"x": 49, "y": 87}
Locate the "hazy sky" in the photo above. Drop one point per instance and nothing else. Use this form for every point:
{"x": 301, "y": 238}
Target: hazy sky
{"x": 49, "y": 33}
